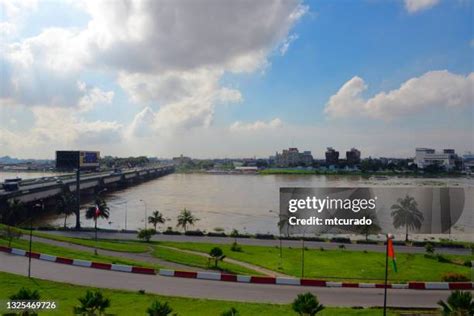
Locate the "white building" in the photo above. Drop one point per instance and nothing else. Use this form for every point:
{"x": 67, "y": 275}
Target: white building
{"x": 426, "y": 156}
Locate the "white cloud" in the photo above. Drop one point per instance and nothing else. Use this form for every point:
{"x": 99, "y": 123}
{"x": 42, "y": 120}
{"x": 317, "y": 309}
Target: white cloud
{"x": 286, "y": 43}
{"x": 256, "y": 126}
{"x": 432, "y": 90}
{"x": 413, "y": 6}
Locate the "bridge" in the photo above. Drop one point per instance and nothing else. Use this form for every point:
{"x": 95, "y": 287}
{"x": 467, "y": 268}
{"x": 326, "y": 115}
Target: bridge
{"x": 30, "y": 190}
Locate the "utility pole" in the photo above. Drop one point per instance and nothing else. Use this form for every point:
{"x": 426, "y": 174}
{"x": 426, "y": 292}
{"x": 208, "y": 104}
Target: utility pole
{"x": 386, "y": 279}
{"x": 78, "y": 193}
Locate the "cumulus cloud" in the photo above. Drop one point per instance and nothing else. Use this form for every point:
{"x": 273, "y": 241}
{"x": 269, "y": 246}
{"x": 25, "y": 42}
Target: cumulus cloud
{"x": 432, "y": 90}
{"x": 256, "y": 126}
{"x": 168, "y": 57}
{"x": 413, "y": 6}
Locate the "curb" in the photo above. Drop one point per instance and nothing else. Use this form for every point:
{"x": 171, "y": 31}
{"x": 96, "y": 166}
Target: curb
{"x": 79, "y": 262}
{"x": 216, "y": 276}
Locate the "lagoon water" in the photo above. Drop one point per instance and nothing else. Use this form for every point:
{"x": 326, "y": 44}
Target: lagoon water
{"x": 248, "y": 203}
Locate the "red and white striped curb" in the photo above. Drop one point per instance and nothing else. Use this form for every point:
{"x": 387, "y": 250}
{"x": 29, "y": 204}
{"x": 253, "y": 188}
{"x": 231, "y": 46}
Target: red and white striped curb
{"x": 205, "y": 275}
{"x": 79, "y": 262}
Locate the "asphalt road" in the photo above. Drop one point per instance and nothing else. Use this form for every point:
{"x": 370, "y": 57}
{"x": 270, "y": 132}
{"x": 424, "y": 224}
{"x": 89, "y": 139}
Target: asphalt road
{"x": 259, "y": 242}
{"x": 216, "y": 289}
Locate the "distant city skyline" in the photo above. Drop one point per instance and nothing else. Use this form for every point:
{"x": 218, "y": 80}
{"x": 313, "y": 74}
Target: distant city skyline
{"x": 209, "y": 79}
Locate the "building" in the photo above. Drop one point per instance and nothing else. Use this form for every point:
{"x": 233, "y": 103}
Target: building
{"x": 353, "y": 157}
{"x": 468, "y": 161}
{"x": 68, "y": 160}
{"x": 291, "y": 157}
{"x": 332, "y": 156}
{"x": 425, "y": 157}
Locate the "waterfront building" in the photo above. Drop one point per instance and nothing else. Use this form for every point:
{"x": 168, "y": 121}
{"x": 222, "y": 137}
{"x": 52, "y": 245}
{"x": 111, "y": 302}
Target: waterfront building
{"x": 291, "y": 157}
{"x": 353, "y": 157}
{"x": 425, "y": 157}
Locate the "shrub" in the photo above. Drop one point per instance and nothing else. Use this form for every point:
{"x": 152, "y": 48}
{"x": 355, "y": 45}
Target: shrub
{"x": 217, "y": 254}
{"x": 342, "y": 247}
{"x": 194, "y": 233}
{"x": 264, "y": 236}
{"x": 307, "y": 304}
{"x": 468, "y": 263}
{"x": 93, "y": 303}
{"x": 159, "y": 309}
{"x": 429, "y": 248}
{"x": 25, "y": 294}
{"x": 454, "y": 277}
{"x": 231, "y": 312}
{"x": 459, "y": 303}
{"x": 146, "y": 234}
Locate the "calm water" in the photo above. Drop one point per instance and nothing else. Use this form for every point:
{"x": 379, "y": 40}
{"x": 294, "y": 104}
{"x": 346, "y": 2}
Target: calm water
{"x": 248, "y": 203}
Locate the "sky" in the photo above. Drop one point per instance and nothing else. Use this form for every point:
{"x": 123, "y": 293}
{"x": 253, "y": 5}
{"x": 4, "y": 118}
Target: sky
{"x": 213, "y": 78}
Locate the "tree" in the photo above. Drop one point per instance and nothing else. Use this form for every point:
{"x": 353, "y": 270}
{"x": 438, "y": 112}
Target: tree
{"x": 93, "y": 303}
{"x": 231, "y": 312}
{"x": 186, "y": 218}
{"x": 159, "y": 309}
{"x": 99, "y": 210}
{"x": 460, "y": 303}
{"x": 146, "y": 234}
{"x": 14, "y": 213}
{"x": 307, "y": 304}
{"x": 217, "y": 254}
{"x": 66, "y": 204}
{"x": 156, "y": 218}
{"x": 25, "y": 294}
{"x": 405, "y": 213}
{"x": 234, "y": 233}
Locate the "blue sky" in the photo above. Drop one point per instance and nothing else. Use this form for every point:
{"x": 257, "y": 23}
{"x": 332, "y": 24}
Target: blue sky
{"x": 207, "y": 80}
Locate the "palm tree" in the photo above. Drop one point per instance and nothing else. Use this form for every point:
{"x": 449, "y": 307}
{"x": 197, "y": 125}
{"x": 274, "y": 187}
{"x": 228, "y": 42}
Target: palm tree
{"x": 159, "y": 309}
{"x": 186, "y": 218}
{"x": 459, "y": 303}
{"x": 66, "y": 205}
{"x": 217, "y": 254}
{"x": 99, "y": 210}
{"x": 93, "y": 303}
{"x": 307, "y": 304}
{"x": 406, "y": 213}
{"x": 156, "y": 218}
{"x": 25, "y": 294}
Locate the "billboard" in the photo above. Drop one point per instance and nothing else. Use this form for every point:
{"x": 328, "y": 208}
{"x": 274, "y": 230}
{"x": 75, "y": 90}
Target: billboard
{"x": 88, "y": 159}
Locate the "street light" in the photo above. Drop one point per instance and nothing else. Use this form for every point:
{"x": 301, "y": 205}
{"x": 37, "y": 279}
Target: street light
{"x": 146, "y": 214}
{"x": 36, "y": 207}
{"x": 279, "y": 237}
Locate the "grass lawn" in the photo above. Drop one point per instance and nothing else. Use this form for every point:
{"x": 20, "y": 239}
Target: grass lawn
{"x": 337, "y": 264}
{"x": 199, "y": 261}
{"x": 72, "y": 253}
{"x": 114, "y": 245}
{"x": 133, "y": 303}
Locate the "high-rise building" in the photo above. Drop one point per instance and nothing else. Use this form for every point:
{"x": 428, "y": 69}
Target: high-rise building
{"x": 332, "y": 156}
{"x": 353, "y": 157}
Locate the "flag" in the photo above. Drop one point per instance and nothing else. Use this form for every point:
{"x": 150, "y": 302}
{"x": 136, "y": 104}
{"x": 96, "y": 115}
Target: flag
{"x": 391, "y": 254}
{"x": 97, "y": 211}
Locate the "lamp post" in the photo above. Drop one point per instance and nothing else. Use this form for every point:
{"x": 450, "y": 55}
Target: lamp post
{"x": 146, "y": 214}
{"x": 279, "y": 237}
{"x": 389, "y": 236}
{"x": 36, "y": 207}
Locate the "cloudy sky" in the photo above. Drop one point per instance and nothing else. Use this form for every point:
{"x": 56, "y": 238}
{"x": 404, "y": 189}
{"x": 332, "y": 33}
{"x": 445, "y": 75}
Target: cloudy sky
{"x": 213, "y": 78}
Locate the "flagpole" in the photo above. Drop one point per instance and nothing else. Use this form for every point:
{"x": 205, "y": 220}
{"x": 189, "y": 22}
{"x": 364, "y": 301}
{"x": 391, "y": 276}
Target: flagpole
{"x": 386, "y": 279}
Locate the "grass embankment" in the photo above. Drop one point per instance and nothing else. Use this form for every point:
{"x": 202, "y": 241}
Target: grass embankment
{"x": 199, "y": 261}
{"x": 72, "y": 253}
{"x": 337, "y": 264}
{"x": 133, "y": 303}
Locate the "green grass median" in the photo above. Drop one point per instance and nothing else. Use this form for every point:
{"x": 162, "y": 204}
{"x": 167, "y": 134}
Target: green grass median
{"x": 72, "y": 253}
{"x": 133, "y": 303}
{"x": 337, "y": 264}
